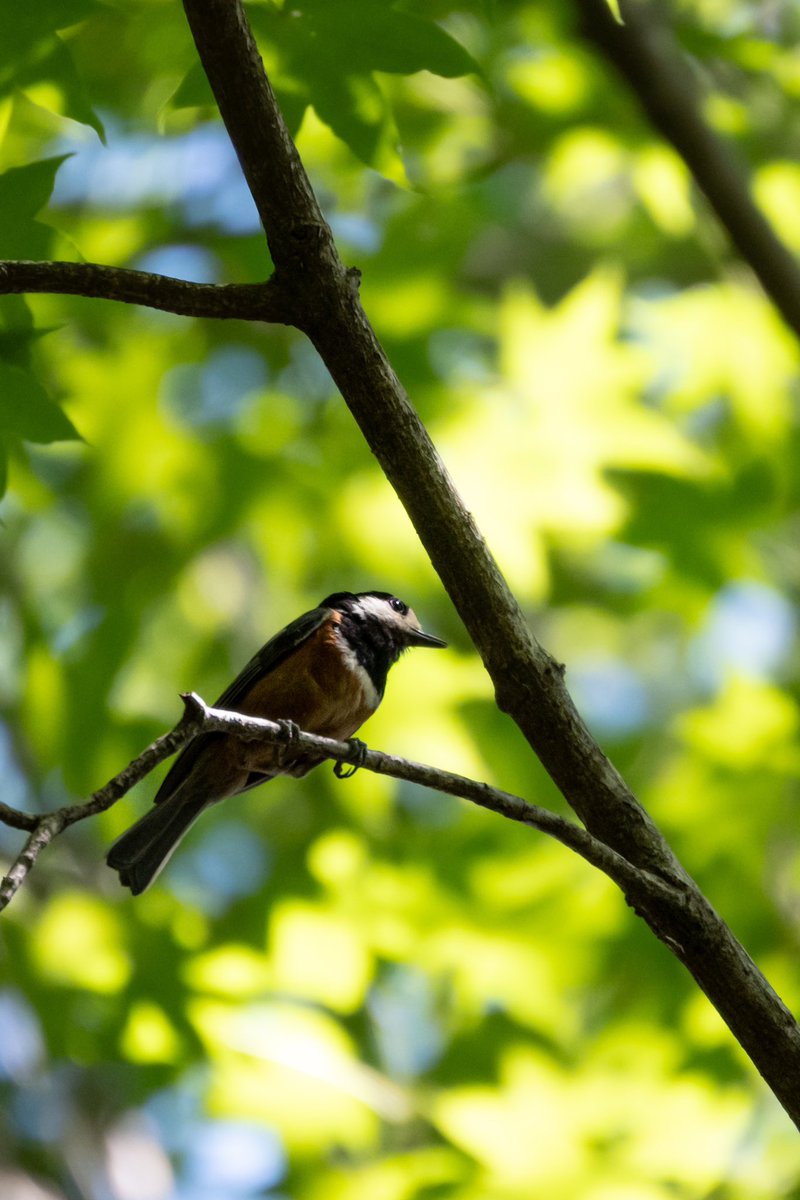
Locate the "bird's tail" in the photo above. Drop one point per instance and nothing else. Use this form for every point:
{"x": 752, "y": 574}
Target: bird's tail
{"x": 140, "y": 853}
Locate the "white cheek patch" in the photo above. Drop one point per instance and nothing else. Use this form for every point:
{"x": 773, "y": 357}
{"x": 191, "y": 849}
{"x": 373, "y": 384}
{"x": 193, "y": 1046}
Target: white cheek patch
{"x": 373, "y": 606}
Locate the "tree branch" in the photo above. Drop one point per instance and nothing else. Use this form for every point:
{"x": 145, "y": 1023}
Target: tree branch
{"x": 528, "y": 683}
{"x": 245, "y": 301}
{"x": 645, "y": 55}
{"x": 682, "y": 911}
{"x": 49, "y": 825}
{"x": 16, "y": 819}
{"x": 198, "y": 717}
{"x": 283, "y": 196}
{"x": 504, "y": 804}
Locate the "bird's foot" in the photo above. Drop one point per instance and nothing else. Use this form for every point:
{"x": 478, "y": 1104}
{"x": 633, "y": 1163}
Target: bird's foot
{"x": 291, "y": 731}
{"x": 343, "y": 770}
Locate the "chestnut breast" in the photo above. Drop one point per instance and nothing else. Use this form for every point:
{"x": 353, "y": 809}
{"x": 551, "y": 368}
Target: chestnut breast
{"x": 321, "y": 687}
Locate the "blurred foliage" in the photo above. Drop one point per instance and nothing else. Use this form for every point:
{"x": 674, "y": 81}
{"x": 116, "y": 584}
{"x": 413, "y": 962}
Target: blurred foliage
{"x": 361, "y": 991}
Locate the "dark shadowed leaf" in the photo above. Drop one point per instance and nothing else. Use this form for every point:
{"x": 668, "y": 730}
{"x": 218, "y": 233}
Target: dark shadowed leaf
{"x": 27, "y": 412}
{"x": 371, "y": 37}
{"x": 31, "y": 53}
{"x": 23, "y": 192}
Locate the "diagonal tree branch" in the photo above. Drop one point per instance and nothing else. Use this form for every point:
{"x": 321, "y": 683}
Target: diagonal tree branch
{"x": 645, "y": 55}
{"x": 198, "y": 717}
{"x": 246, "y": 301}
{"x": 529, "y": 685}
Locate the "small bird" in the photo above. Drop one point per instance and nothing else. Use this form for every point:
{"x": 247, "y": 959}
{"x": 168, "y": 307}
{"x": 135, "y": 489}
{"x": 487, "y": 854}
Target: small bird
{"x": 326, "y": 672}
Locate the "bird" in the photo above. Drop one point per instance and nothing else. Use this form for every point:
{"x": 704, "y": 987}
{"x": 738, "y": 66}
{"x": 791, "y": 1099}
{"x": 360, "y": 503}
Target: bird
{"x": 325, "y": 673}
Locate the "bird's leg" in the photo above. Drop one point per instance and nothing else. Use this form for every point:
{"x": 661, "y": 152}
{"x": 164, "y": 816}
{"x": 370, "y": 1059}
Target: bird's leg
{"x": 291, "y": 731}
{"x": 344, "y": 770}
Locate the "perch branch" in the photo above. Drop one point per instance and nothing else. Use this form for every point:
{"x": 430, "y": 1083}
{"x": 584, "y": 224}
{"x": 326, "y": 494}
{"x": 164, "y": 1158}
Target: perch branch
{"x": 198, "y": 717}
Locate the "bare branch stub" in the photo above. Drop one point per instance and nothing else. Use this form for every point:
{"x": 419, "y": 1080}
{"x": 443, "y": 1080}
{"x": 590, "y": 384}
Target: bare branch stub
{"x": 47, "y": 827}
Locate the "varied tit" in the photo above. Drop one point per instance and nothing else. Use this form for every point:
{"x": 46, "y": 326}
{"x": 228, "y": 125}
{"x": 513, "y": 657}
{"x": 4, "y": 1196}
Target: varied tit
{"x": 326, "y": 672}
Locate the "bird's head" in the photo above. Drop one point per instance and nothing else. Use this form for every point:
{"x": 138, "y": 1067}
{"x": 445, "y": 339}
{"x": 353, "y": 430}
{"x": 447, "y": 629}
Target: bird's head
{"x": 381, "y": 617}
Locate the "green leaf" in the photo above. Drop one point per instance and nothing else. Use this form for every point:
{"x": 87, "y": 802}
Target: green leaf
{"x": 23, "y": 192}
{"x": 17, "y": 331}
{"x": 59, "y": 68}
{"x": 26, "y": 28}
{"x": 20, "y": 23}
{"x": 16, "y": 320}
{"x": 376, "y": 38}
{"x": 356, "y": 110}
{"x": 193, "y": 91}
{"x": 325, "y": 54}
{"x": 27, "y": 412}
{"x": 31, "y": 52}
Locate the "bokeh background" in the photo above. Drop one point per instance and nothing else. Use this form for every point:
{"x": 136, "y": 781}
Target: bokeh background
{"x": 362, "y": 991}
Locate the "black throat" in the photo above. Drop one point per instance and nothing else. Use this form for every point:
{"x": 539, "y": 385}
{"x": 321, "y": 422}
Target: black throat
{"x": 374, "y": 646}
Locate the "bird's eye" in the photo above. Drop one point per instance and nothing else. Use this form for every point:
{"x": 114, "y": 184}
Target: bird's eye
{"x": 398, "y": 606}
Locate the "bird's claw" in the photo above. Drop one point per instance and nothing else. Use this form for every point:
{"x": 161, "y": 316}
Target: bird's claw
{"x": 344, "y": 770}
{"x": 291, "y": 731}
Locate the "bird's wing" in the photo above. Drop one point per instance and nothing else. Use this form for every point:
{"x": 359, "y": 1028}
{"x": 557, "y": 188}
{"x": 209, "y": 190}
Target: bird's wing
{"x": 267, "y": 659}
{"x": 271, "y": 655}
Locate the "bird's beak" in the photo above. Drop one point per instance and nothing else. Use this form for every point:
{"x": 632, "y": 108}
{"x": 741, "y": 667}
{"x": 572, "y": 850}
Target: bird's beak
{"x": 418, "y": 637}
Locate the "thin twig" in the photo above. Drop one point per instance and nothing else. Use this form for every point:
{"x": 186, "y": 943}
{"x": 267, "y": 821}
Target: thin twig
{"x": 199, "y": 717}
{"x": 16, "y": 819}
{"x": 44, "y": 828}
{"x": 505, "y": 804}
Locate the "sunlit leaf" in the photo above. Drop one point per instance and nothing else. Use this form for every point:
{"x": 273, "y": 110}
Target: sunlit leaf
{"x": 315, "y": 42}
{"x": 76, "y": 942}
